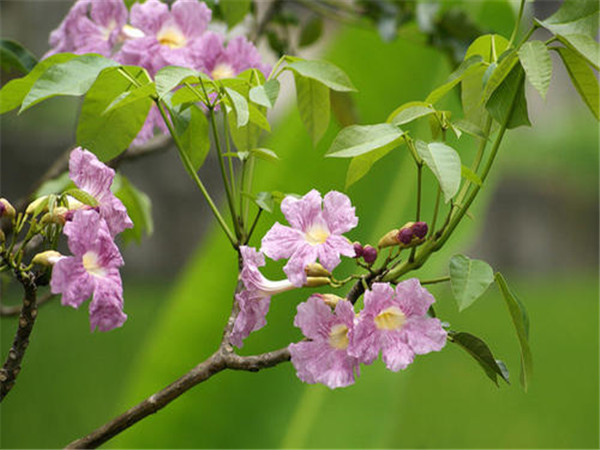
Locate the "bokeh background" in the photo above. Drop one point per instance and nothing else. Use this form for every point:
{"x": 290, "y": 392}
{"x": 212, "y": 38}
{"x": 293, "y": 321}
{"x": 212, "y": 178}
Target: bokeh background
{"x": 537, "y": 222}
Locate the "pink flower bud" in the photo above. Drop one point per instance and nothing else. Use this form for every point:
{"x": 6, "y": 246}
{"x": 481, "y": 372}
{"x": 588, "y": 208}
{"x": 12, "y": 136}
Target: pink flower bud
{"x": 6, "y": 209}
{"x": 358, "y": 249}
{"x": 405, "y": 235}
{"x": 369, "y": 254}
{"x": 420, "y": 229}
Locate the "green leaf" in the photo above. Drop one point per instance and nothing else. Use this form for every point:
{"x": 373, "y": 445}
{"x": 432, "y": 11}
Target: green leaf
{"x": 257, "y": 117}
{"x": 13, "y": 56}
{"x": 470, "y": 128}
{"x": 139, "y": 209}
{"x": 360, "y": 165}
{"x": 535, "y": 59}
{"x": 583, "y": 79}
{"x": 107, "y": 134}
{"x": 168, "y": 78}
{"x": 357, "y": 140}
{"x": 135, "y": 94}
{"x": 82, "y": 196}
{"x": 500, "y": 103}
{"x": 234, "y": 10}
{"x": 470, "y": 278}
{"x": 466, "y": 68}
{"x": 265, "y": 154}
{"x": 13, "y": 93}
{"x": 265, "y": 94}
{"x": 311, "y": 32}
{"x": 264, "y": 200}
{"x": 480, "y": 351}
{"x": 587, "y": 47}
{"x": 445, "y": 164}
{"x": 192, "y": 130}
{"x": 73, "y": 78}
{"x": 520, "y": 320}
{"x": 313, "y": 105}
{"x": 240, "y": 106}
{"x": 55, "y": 186}
{"x": 324, "y": 72}
{"x": 410, "y": 111}
{"x": 489, "y": 47}
{"x": 344, "y": 108}
{"x": 499, "y": 74}
{"x": 245, "y": 138}
{"x": 468, "y": 174}
{"x": 574, "y": 17}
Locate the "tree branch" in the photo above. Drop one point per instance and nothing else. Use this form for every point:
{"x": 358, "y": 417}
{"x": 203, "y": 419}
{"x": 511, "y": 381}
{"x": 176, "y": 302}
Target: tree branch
{"x": 12, "y": 365}
{"x": 13, "y": 310}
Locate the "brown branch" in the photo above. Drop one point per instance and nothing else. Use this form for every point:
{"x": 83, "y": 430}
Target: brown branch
{"x": 14, "y": 310}
{"x": 12, "y": 365}
{"x": 273, "y": 7}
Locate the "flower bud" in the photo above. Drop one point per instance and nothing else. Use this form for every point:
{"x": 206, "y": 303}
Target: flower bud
{"x": 330, "y": 299}
{"x": 6, "y": 209}
{"x": 420, "y": 229}
{"x": 405, "y": 235}
{"x": 316, "y": 270}
{"x": 58, "y": 216}
{"x": 369, "y": 254}
{"x": 358, "y": 250}
{"x": 316, "y": 281}
{"x": 47, "y": 258}
{"x": 38, "y": 205}
{"x": 389, "y": 239}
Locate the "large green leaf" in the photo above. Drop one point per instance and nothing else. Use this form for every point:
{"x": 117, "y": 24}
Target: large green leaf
{"x": 139, "y": 209}
{"x": 535, "y": 59}
{"x": 15, "y": 57}
{"x": 467, "y": 68}
{"x": 108, "y": 133}
{"x": 470, "y": 278}
{"x": 499, "y": 74}
{"x": 445, "y": 164}
{"x": 313, "y": 105}
{"x": 192, "y": 130}
{"x": 583, "y": 79}
{"x": 480, "y": 351}
{"x": 489, "y": 47}
{"x": 574, "y": 17}
{"x": 234, "y": 10}
{"x": 73, "y": 77}
{"x": 145, "y": 91}
{"x": 13, "y": 92}
{"x": 324, "y": 72}
{"x": 520, "y": 320}
{"x": 357, "y": 140}
{"x": 501, "y": 101}
{"x": 583, "y": 44}
{"x": 410, "y": 111}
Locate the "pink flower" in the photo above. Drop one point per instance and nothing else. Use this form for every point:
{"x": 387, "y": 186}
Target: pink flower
{"x": 91, "y": 26}
{"x": 170, "y": 37}
{"x": 396, "y": 324}
{"x": 255, "y": 299}
{"x": 95, "y": 178}
{"x": 220, "y": 61}
{"x": 315, "y": 232}
{"x": 93, "y": 269}
{"x": 324, "y": 359}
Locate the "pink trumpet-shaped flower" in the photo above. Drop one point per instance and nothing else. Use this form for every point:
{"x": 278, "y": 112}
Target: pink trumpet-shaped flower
{"x": 324, "y": 359}
{"x": 95, "y": 178}
{"x": 91, "y": 26}
{"x": 316, "y": 232}
{"x": 396, "y": 324}
{"x": 92, "y": 270}
{"x": 253, "y": 302}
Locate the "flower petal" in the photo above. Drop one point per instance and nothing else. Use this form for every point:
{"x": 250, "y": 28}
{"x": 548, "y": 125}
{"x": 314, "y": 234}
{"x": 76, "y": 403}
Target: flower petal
{"x": 302, "y": 213}
{"x": 281, "y": 242}
{"x": 149, "y": 16}
{"x": 332, "y": 248}
{"x": 425, "y": 334}
{"x": 70, "y": 279}
{"x": 395, "y": 352}
{"x": 191, "y": 17}
{"x": 89, "y": 174}
{"x": 106, "y": 308}
{"x": 314, "y": 318}
{"x": 252, "y": 316}
{"x": 413, "y": 299}
{"x": 338, "y": 212}
{"x": 295, "y": 268}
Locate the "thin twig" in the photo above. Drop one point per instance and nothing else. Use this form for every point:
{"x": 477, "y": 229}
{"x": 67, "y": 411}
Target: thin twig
{"x": 14, "y": 310}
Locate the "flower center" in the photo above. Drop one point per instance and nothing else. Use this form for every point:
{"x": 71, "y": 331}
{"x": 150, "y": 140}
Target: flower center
{"x": 222, "y": 70}
{"x": 338, "y": 336}
{"x": 91, "y": 264}
{"x": 108, "y": 30}
{"x": 316, "y": 235}
{"x": 390, "y": 319}
{"x": 171, "y": 37}
{"x": 129, "y": 32}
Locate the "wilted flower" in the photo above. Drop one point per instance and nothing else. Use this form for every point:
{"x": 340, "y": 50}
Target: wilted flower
{"x": 316, "y": 232}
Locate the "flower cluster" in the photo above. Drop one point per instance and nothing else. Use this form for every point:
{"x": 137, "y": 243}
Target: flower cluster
{"x": 93, "y": 268}
{"x": 393, "y": 322}
{"x": 153, "y": 35}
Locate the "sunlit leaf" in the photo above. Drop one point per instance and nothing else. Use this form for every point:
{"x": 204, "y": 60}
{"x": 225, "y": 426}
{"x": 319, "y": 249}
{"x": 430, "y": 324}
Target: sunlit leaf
{"x": 313, "y": 105}
{"x": 445, "y": 164}
{"x": 410, "y": 111}
{"x": 535, "y": 59}
{"x": 324, "y": 72}
{"x": 586, "y": 46}
{"x": 357, "y": 140}
{"x": 470, "y": 278}
{"x": 265, "y": 94}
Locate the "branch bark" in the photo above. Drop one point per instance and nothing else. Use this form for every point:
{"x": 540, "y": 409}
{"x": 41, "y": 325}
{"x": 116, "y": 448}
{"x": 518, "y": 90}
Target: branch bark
{"x": 14, "y": 310}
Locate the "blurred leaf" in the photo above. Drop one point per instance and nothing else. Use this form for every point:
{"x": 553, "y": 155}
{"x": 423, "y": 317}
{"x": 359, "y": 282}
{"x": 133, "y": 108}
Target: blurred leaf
{"x": 324, "y": 72}
{"x": 109, "y": 134}
{"x": 360, "y": 165}
{"x": 311, "y": 32}
{"x": 583, "y": 79}
{"x": 55, "y": 185}
{"x": 410, "y": 111}
{"x": 489, "y": 47}
{"x": 246, "y": 137}
{"x": 500, "y": 103}
{"x": 470, "y": 128}
{"x": 574, "y": 17}
{"x": 468, "y": 174}
{"x": 82, "y": 196}
{"x": 520, "y": 320}
{"x": 313, "y": 105}
{"x": 499, "y": 74}
{"x": 73, "y": 77}
{"x": 191, "y": 127}
{"x": 466, "y": 68}
{"x": 257, "y": 117}
{"x": 265, "y": 153}
{"x": 13, "y": 92}
{"x": 535, "y": 59}
{"x": 470, "y": 278}
{"x": 265, "y": 94}
{"x": 584, "y": 45}
{"x": 265, "y": 201}
{"x": 234, "y": 10}
{"x": 139, "y": 209}
{"x": 445, "y": 164}
{"x": 480, "y": 351}
{"x": 240, "y": 106}
{"x": 343, "y": 107}
{"x": 357, "y": 140}
{"x": 13, "y": 56}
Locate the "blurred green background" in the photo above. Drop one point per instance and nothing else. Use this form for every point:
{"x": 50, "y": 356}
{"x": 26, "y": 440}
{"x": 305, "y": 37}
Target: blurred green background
{"x": 73, "y": 381}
